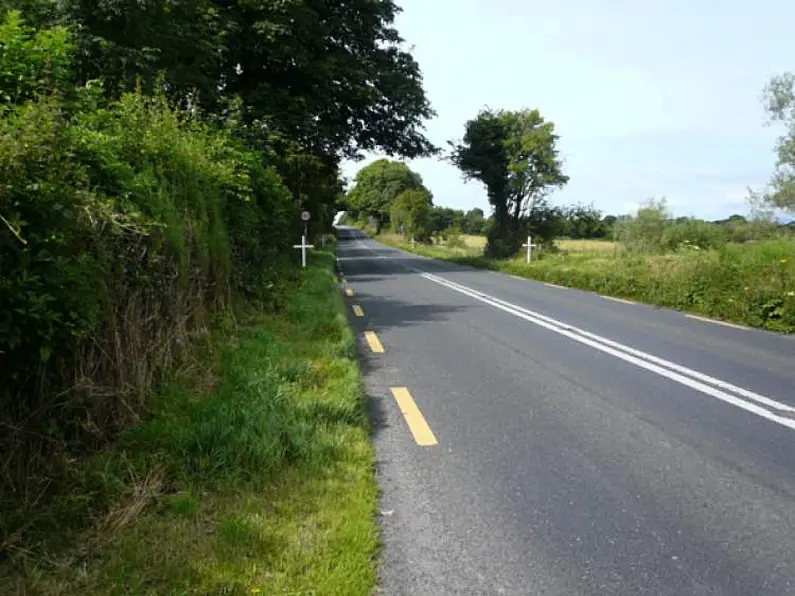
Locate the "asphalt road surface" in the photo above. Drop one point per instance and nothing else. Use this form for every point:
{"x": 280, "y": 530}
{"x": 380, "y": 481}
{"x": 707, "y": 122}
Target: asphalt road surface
{"x": 540, "y": 440}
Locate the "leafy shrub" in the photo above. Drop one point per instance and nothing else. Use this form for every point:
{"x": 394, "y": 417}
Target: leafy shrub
{"x": 31, "y": 62}
{"x": 646, "y": 231}
{"x": 454, "y": 239}
{"x": 692, "y": 234}
{"x": 123, "y": 227}
{"x": 411, "y": 214}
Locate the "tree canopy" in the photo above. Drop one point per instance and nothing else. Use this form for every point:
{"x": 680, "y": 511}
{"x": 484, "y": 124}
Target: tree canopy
{"x": 376, "y": 187}
{"x": 514, "y": 154}
{"x": 332, "y": 75}
{"x": 779, "y": 96}
{"x": 411, "y": 213}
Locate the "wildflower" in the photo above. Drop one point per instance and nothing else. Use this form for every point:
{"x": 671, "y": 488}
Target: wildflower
{"x": 790, "y": 293}
{"x": 783, "y": 261}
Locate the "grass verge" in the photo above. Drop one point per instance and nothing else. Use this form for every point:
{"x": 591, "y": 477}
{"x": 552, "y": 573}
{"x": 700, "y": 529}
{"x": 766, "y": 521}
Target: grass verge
{"x": 253, "y": 477}
{"x": 751, "y": 283}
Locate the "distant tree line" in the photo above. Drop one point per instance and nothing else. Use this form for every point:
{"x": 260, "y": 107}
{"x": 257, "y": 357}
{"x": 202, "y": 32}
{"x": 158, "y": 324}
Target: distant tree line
{"x": 514, "y": 155}
{"x": 396, "y": 198}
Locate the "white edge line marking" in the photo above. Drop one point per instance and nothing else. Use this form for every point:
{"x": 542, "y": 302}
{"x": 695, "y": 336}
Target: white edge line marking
{"x": 679, "y": 368}
{"x": 670, "y": 370}
{"x": 374, "y": 257}
{"x": 621, "y": 300}
{"x": 660, "y": 366}
{"x": 717, "y": 322}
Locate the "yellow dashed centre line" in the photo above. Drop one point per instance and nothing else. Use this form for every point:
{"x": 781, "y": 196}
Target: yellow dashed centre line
{"x": 724, "y": 323}
{"x": 357, "y": 310}
{"x": 348, "y": 291}
{"x": 621, "y": 300}
{"x": 418, "y": 426}
{"x": 373, "y": 342}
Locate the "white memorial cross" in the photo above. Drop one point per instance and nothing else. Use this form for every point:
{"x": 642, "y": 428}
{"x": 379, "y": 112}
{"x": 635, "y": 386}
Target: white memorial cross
{"x": 303, "y": 246}
{"x": 530, "y": 246}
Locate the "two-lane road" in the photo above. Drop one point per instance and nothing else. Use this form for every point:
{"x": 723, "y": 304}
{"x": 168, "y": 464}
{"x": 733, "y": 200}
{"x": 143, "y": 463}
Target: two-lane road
{"x": 540, "y": 440}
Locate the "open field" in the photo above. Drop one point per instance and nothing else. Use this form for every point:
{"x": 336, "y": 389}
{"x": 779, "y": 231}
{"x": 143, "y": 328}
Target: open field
{"x": 252, "y": 476}
{"x": 587, "y": 246}
{"x": 751, "y": 283}
{"x": 474, "y": 243}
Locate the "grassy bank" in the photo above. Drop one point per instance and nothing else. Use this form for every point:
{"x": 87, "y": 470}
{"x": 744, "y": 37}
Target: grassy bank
{"x": 751, "y": 283}
{"x": 252, "y": 474}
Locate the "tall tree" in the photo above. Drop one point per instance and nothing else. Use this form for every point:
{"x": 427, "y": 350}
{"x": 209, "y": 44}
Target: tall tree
{"x": 779, "y": 97}
{"x": 514, "y": 154}
{"x": 473, "y": 222}
{"x": 332, "y": 73}
{"x": 411, "y": 214}
{"x": 445, "y": 218}
{"x": 376, "y": 187}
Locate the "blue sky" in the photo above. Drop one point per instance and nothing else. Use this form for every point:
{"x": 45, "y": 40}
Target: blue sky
{"x": 651, "y": 98}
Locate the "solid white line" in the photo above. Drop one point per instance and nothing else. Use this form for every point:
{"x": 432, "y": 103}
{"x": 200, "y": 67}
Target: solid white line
{"x": 364, "y": 258}
{"x": 640, "y": 354}
{"x": 665, "y": 368}
{"x": 621, "y": 300}
{"x": 718, "y": 322}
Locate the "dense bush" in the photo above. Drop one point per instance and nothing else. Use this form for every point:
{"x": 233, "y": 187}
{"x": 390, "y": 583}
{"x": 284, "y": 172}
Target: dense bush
{"x": 31, "y": 61}
{"x": 750, "y": 283}
{"x": 692, "y": 234}
{"x": 125, "y": 226}
{"x": 411, "y": 215}
{"x": 653, "y": 230}
{"x": 646, "y": 231}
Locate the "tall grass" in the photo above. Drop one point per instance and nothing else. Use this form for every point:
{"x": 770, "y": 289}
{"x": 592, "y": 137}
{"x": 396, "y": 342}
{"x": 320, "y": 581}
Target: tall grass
{"x": 751, "y": 283}
{"x": 254, "y": 474}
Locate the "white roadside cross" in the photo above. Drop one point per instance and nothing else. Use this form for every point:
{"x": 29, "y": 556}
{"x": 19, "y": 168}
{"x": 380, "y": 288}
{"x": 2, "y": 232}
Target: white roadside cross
{"x": 303, "y": 246}
{"x": 530, "y": 246}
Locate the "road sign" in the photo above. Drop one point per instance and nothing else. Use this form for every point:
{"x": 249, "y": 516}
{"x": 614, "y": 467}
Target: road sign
{"x": 305, "y": 215}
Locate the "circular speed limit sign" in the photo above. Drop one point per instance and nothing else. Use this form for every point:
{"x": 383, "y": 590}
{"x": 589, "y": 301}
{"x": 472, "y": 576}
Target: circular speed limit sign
{"x": 305, "y": 216}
